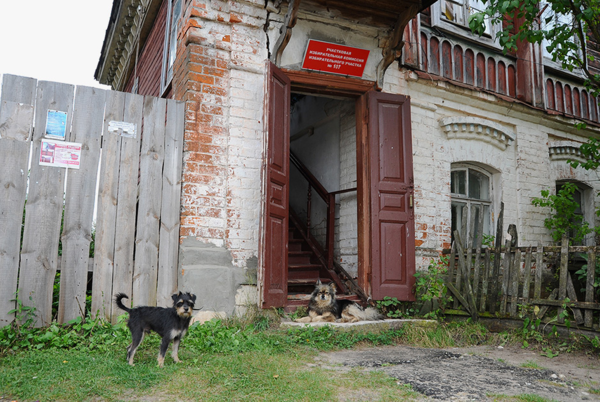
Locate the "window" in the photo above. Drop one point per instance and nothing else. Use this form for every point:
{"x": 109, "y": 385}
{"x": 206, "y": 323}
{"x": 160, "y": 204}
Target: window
{"x": 170, "y": 47}
{"x": 471, "y": 188}
{"x": 551, "y": 20}
{"x": 582, "y": 195}
{"x": 453, "y": 16}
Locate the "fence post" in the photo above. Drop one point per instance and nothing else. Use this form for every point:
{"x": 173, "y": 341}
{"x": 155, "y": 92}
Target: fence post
{"x": 496, "y": 271}
{"x": 589, "y": 288}
{"x": 564, "y": 271}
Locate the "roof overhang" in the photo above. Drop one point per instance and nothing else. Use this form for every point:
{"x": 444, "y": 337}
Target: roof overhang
{"x": 129, "y": 25}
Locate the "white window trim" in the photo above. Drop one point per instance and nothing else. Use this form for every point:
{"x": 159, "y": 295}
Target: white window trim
{"x": 493, "y": 197}
{"x": 463, "y": 31}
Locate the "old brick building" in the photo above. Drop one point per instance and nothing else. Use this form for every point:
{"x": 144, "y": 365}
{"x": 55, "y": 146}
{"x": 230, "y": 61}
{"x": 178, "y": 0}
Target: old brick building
{"x": 439, "y": 119}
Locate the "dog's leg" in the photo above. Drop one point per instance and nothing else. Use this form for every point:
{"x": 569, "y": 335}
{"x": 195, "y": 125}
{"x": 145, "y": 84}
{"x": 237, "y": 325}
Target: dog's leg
{"x": 164, "y": 345}
{"x": 176, "y": 349}
{"x": 136, "y": 338}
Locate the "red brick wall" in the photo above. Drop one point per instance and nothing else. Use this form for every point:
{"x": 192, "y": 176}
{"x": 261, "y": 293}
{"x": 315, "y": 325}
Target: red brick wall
{"x": 150, "y": 59}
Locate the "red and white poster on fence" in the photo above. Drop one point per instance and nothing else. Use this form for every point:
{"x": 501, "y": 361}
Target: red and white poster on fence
{"x": 60, "y": 154}
{"x": 333, "y": 58}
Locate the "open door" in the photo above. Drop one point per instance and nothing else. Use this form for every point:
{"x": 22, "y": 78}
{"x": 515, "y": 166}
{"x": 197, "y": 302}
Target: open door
{"x": 391, "y": 186}
{"x": 276, "y": 212}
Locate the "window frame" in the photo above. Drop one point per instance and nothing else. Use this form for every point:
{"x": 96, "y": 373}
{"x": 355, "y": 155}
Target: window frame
{"x": 174, "y": 9}
{"x": 470, "y": 202}
{"x": 463, "y": 30}
{"x": 587, "y": 206}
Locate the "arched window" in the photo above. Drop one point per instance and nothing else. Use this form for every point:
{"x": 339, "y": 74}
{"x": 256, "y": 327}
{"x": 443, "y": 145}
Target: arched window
{"x": 471, "y": 187}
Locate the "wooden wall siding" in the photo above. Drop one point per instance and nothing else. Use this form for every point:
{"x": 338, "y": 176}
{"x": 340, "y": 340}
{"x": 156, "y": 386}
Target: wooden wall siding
{"x": 568, "y": 100}
{"x": 454, "y": 62}
{"x": 560, "y": 97}
{"x": 447, "y": 60}
{"x": 480, "y": 71}
{"x": 512, "y": 81}
{"x": 125, "y": 177}
{"x": 458, "y": 64}
{"x": 574, "y": 101}
{"x": 424, "y": 49}
{"x": 491, "y": 70}
{"x": 434, "y": 56}
{"x": 469, "y": 67}
{"x": 502, "y": 77}
{"x": 150, "y": 56}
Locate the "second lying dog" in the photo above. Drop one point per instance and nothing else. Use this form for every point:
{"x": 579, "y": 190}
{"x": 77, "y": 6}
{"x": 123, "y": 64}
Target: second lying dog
{"x": 324, "y": 307}
{"x": 170, "y": 323}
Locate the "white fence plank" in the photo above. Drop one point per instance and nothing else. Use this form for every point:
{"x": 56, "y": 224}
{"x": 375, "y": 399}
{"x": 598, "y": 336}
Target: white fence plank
{"x": 44, "y": 208}
{"x": 88, "y": 118}
{"x": 16, "y": 119}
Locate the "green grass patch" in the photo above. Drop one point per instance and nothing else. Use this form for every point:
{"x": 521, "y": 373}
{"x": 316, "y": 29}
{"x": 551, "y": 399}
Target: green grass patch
{"x": 530, "y": 364}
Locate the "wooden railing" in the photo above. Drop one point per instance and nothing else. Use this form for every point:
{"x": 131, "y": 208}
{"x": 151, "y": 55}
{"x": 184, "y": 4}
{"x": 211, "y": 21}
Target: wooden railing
{"x": 328, "y": 198}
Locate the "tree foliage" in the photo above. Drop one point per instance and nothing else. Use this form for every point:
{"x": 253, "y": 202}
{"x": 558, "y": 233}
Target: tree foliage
{"x": 560, "y": 25}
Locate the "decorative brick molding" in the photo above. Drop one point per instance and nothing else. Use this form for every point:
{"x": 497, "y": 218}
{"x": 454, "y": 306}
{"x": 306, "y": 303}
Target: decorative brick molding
{"x": 565, "y": 150}
{"x": 472, "y": 128}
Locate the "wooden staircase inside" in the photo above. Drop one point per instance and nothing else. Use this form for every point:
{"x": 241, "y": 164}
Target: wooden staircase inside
{"x": 307, "y": 265}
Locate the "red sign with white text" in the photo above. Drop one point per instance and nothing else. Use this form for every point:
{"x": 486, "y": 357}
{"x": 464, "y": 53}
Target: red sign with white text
{"x": 332, "y": 58}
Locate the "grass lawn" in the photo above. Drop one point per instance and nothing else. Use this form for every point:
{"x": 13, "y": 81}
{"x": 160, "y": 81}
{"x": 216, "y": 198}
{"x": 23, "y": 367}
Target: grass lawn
{"x": 220, "y": 362}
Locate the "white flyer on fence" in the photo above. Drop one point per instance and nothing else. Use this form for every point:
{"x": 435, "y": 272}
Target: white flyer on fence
{"x": 60, "y": 154}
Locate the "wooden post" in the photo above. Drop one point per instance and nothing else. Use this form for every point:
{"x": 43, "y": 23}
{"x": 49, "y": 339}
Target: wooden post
{"x": 330, "y": 230}
{"x": 476, "y": 265}
{"x": 564, "y": 272}
{"x": 462, "y": 267}
{"x": 515, "y": 276}
{"x": 484, "y": 282}
{"x": 539, "y": 263}
{"x": 589, "y": 287}
{"x": 496, "y": 271}
{"x": 527, "y": 275}
{"x": 505, "y": 277}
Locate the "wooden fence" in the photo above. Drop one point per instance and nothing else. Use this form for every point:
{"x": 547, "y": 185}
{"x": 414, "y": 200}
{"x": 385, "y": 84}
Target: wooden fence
{"x": 129, "y": 172}
{"x": 497, "y": 280}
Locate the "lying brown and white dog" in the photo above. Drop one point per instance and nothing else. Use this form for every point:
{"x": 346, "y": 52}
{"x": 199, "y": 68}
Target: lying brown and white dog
{"x": 324, "y": 307}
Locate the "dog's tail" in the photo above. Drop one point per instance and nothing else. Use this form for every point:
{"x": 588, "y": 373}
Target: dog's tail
{"x": 118, "y": 298}
{"x": 367, "y": 314}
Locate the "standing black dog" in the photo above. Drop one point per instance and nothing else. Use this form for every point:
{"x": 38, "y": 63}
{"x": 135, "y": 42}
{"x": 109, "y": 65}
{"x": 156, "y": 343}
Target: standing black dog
{"x": 170, "y": 323}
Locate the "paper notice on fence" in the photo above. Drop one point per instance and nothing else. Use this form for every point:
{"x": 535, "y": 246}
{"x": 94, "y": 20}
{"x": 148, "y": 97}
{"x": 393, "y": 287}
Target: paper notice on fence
{"x": 60, "y": 154}
{"x": 56, "y": 124}
{"x": 122, "y": 128}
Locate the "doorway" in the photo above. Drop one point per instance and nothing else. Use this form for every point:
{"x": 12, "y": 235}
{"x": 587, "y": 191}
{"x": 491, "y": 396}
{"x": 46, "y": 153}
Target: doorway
{"x": 326, "y": 119}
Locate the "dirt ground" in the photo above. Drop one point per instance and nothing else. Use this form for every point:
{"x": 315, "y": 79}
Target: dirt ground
{"x": 477, "y": 373}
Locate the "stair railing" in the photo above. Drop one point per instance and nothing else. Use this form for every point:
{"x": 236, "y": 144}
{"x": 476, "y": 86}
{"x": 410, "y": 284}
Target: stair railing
{"x": 327, "y": 197}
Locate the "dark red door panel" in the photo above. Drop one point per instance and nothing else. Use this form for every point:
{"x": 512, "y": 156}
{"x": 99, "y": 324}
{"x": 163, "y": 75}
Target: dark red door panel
{"x": 277, "y": 189}
{"x": 392, "y": 185}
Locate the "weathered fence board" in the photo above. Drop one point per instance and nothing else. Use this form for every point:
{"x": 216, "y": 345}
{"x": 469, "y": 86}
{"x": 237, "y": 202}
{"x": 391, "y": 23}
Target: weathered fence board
{"x": 102, "y": 286}
{"x": 516, "y": 277}
{"x": 16, "y": 120}
{"x": 136, "y": 195}
{"x": 148, "y": 219}
{"x": 88, "y": 117}
{"x": 44, "y": 207}
{"x": 171, "y": 190}
{"x": 126, "y": 202}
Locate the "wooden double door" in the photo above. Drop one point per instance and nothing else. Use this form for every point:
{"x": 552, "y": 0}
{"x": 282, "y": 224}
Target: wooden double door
{"x": 385, "y": 185}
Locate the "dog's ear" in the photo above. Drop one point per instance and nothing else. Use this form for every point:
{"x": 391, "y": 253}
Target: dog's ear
{"x": 332, "y": 287}
{"x": 193, "y": 297}
{"x": 176, "y": 296}
{"x": 318, "y": 282}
